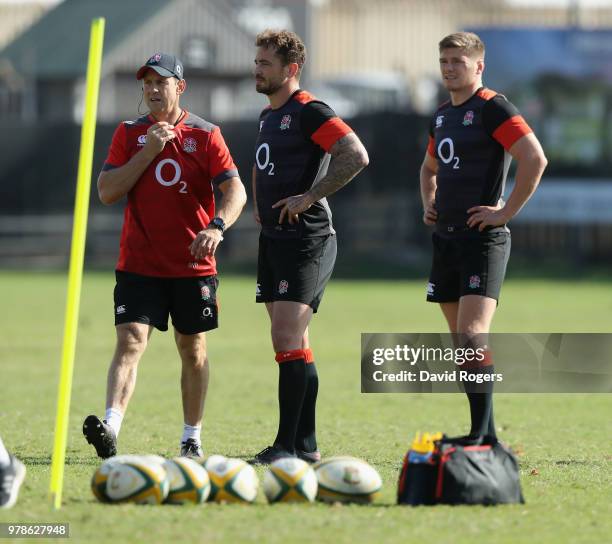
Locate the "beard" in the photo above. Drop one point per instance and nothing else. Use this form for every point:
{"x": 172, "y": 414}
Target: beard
{"x": 267, "y": 88}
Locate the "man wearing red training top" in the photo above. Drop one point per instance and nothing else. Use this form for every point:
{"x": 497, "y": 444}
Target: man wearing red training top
{"x": 167, "y": 163}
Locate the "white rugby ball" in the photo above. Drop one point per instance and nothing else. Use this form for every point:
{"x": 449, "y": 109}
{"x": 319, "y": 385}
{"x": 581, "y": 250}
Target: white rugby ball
{"x": 347, "y": 479}
{"x": 290, "y": 480}
{"x": 100, "y": 476}
{"x": 232, "y": 480}
{"x": 141, "y": 481}
{"x": 211, "y": 461}
{"x": 189, "y": 481}
{"x": 154, "y": 458}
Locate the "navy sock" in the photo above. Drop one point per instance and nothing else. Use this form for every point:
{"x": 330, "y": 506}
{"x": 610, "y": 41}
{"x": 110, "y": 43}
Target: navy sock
{"x": 291, "y": 391}
{"x": 481, "y": 410}
{"x": 480, "y": 397}
{"x": 491, "y": 426}
{"x": 306, "y": 439}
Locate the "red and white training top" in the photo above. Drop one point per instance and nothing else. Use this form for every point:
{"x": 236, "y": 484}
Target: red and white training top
{"x": 173, "y": 200}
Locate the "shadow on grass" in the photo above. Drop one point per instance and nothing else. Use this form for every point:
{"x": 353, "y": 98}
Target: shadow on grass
{"x": 403, "y": 266}
{"x": 41, "y": 460}
{"x": 379, "y": 267}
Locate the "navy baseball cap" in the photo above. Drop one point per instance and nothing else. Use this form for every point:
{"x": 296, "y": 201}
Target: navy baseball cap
{"x": 165, "y": 65}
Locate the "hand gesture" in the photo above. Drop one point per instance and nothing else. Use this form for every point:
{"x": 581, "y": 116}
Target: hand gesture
{"x": 205, "y": 243}
{"x": 430, "y": 214}
{"x": 157, "y": 137}
{"x": 486, "y": 216}
{"x": 292, "y": 206}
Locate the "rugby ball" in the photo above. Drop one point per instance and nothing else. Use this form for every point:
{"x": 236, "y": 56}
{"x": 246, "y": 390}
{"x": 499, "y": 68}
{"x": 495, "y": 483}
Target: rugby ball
{"x": 290, "y": 480}
{"x": 100, "y": 476}
{"x": 232, "y": 480}
{"x": 141, "y": 481}
{"x": 211, "y": 460}
{"x": 347, "y": 479}
{"x": 154, "y": 458}
{"x": 208, "y": 463}
{"x": 189, "y": 481}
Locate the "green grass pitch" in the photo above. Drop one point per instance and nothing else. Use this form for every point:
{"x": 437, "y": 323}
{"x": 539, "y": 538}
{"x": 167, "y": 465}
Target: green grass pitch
{"x": 564, "y": 441}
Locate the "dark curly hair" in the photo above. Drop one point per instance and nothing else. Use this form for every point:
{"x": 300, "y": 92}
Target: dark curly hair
{"x": 288, "y": 45}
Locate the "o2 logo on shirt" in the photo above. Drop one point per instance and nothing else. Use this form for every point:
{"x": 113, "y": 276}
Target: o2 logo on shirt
{"x": 264, "y": 162}
{"x": 174, "y": 179}
{"x": 448, "y": 157}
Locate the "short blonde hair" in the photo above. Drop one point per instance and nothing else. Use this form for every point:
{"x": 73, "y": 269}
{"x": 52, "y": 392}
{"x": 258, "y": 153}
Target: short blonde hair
{"x": 468, "y": 42}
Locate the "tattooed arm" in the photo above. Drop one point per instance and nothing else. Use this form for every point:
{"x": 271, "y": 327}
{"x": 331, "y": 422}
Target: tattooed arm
{"x": 349, "y": 157}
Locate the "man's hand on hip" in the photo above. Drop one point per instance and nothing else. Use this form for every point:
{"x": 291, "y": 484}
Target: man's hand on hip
{"x": 430, "y": 214}
{"x": 292, "y": 206}
{"x": 487, "y": 216}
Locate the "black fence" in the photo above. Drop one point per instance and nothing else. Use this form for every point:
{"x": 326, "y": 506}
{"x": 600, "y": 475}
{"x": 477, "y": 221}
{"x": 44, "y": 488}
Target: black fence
{"x": 378, "y": 215}
{"x": 38, "y": 163}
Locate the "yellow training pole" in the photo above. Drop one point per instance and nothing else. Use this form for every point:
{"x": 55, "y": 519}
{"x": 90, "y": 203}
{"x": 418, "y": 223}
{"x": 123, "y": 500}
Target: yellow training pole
{"x": 77, "y": 252}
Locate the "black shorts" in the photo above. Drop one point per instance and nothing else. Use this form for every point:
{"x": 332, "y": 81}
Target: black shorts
{"x": 295, "y": 269}
{"x": 468, "y": 263}
{"x": 192, "y": 302}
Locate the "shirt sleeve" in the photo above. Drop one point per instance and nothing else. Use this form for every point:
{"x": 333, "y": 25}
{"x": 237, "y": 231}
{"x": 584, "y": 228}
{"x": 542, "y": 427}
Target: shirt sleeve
{"x": 320, "y": 124}
{"x": 431, "y": 143}
{"x": 503, "y": 122}
{"x": 117, "y": 152}
{"x": 220, "y": 163}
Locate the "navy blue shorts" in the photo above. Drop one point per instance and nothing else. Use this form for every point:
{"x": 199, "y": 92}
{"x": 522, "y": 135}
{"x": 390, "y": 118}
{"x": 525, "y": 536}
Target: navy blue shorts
{"x": 468, "y": 262}
{"x": 191, "y": 302}
{"x": 295, "y": 269}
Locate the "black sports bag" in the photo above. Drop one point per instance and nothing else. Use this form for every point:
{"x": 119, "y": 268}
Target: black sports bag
{"x": 457, "y": 474}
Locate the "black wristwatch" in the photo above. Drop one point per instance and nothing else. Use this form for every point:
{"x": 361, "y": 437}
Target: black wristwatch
{"x": 217, "y": 223}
